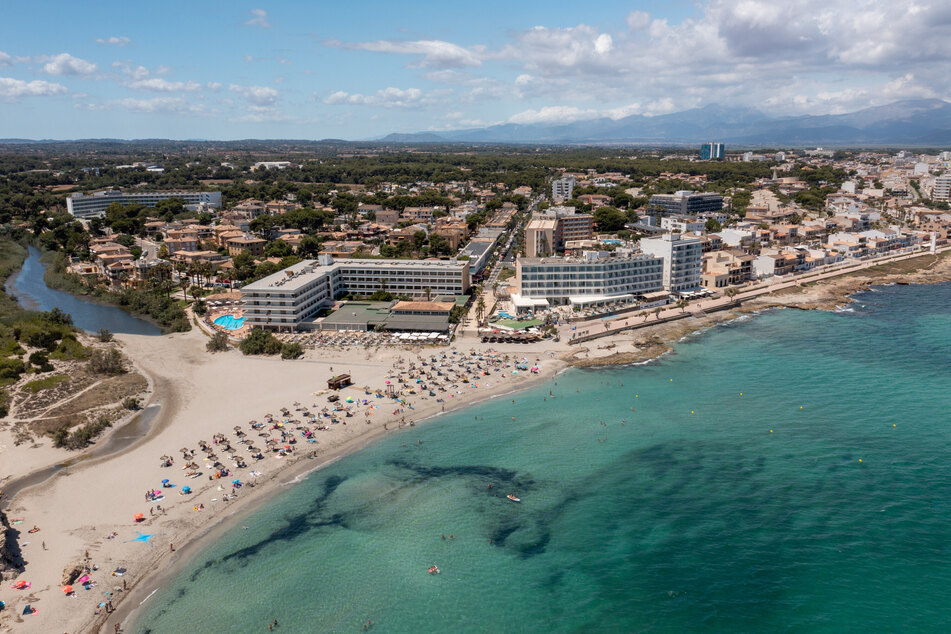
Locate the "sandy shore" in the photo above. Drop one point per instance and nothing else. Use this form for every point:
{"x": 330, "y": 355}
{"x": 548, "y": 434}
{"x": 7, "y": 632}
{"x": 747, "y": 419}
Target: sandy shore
{"x": 201, "y": 394}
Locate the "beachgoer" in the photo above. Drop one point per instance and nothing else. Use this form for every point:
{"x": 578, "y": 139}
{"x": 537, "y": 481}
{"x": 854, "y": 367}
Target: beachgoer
{"x": 171, "y": 548}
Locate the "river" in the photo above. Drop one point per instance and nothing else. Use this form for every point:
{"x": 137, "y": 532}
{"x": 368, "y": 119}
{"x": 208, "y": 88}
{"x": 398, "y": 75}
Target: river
{"x": 33, "y": 293}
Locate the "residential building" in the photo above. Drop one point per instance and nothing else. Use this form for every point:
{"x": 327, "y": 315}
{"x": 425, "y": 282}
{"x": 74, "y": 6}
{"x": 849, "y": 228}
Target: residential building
{"x": 245, "y": 243}
{"x": 540, "y": 237}
{"x": 88, "y": 205}
{"x": 711, "y": 151}
{"x": 682, "y": 224}
{"x": 288, "y": 298}
{"x": 726, "y": 268}
{"x": 686, "y": 203}
{"x": 597, "y": 276}
{"x": 777, "y": 262}
{"x": 562, "y": 188}
{"x": 682, "y": 259}
{"x": 942, "y": 188}
{"x": 388, "y": 217}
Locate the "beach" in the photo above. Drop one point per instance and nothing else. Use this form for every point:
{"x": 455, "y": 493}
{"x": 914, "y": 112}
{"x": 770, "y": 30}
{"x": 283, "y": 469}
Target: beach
{"x": 200, "y": 394}
{"x": 89, "y": 507}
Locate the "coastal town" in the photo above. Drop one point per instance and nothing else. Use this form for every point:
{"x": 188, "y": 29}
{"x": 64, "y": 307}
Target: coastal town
{"x": 364, "y": 309}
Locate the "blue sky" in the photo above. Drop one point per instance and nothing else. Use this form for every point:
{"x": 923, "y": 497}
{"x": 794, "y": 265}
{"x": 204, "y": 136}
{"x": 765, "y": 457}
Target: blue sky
{"x": 356, "y": 70}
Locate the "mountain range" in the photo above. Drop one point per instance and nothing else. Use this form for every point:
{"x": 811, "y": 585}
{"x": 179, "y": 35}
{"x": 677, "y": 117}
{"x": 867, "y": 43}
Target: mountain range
{"x": 921, "y": 122}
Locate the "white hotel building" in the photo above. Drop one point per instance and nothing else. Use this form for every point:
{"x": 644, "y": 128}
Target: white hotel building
{"x": 683, "y": 260}
{"x": 595, "y": 277}
{"x": 288, "y": 298}
{"x": 88, "y": 205}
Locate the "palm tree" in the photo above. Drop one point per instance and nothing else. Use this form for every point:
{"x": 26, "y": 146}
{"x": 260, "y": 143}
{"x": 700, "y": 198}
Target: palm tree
{"x": 732, "y": 292}
{"x": 428, "y": 292}
{"x": 682, "y": 305}
{"x": 657, "y": 312}
{"x": 480, "y": 310}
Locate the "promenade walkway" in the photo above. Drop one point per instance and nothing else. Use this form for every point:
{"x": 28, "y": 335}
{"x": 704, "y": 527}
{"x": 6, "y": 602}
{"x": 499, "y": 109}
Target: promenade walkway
{"x": 595, "y": 329}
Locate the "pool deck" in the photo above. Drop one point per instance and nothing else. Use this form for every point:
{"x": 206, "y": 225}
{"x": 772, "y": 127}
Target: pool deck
{"x": 234, "y": 311}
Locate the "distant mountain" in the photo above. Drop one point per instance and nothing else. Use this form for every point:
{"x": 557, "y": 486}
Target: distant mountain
{"x": 911, "y": 122}
{"x": 417, "y": 137}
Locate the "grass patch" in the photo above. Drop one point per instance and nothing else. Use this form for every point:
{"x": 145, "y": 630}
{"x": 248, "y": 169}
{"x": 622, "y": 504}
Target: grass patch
{"x": 45, "y": 384}
{"x": 70, "y": 349}
{"x": 517, "y": 325}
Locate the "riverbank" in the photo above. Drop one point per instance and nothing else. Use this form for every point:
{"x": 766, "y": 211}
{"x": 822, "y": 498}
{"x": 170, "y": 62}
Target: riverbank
{"x": 162, "y": 311}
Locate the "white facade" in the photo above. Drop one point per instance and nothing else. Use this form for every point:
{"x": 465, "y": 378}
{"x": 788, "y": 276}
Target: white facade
{"x": 682, "y": 224}
{"x": 683, "y": 259}
{"x": 95, "y": 204}
{"x": 942, "y": 188}
{"x": 287, "y": 298}
{"x": 595, "y": 275}
{"x": 563, "y": 188}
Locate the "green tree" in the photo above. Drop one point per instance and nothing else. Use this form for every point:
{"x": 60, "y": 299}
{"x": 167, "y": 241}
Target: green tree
{"x": 609, "y": 218}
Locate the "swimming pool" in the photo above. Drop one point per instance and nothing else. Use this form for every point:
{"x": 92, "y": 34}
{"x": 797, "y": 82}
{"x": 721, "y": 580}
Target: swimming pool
{"x": 229, "y": 322}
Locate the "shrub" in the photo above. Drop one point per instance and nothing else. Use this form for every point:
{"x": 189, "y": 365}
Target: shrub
{"x": 104, "y": 335}
{"x": 291, "y": 350}
{"x": 260, "y": 341}
{"x": 131, "y": 403}
{"x": 217, "y": 343}
{"x": 40, "y": 362}
{"x": 106, "y": 362}
{"x": 82, "y": 436}
{"x": 69, "y": 349}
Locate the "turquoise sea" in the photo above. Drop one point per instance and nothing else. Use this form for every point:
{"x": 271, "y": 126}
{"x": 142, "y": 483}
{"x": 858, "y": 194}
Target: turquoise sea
{"x": 786, "y": 472}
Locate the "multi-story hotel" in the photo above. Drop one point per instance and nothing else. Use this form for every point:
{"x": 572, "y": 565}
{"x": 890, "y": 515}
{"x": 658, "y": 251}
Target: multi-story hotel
{"x": 683, "y": 260}
{"x": 592, "y": 277}
{"x": 87, "y": 205}
{"x": 286, "y": 299}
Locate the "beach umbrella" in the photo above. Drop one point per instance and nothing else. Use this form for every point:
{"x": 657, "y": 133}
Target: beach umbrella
{"x": 67, "y": 589}
{"x": 186, "y": 489}
{"x": 236, "y": 482}
{"x": 84, "y": 579}
{"x": 20, "y": 584}
{"x": 165, "y": 481}
{"x": 138, "y": 517}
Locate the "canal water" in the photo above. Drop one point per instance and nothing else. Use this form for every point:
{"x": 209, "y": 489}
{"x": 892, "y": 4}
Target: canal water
{"x": 33, "y": 293}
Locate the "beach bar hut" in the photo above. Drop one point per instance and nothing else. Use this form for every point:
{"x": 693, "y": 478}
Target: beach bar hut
{"x": 339, "y": 381}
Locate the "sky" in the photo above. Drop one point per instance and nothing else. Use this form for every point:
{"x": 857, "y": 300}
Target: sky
{"x": 361, "y": 69}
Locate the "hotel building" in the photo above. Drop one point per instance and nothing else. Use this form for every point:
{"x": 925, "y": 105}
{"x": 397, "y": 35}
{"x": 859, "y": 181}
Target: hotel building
{"x": 88, "y": 205}
{"x": 596, "y": 276}
{"x": 683, "y": 260}
{"x": 288, "y": 298}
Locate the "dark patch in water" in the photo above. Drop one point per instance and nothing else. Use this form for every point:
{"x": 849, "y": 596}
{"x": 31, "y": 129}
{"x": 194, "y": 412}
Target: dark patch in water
{"x": 296, "y": 525}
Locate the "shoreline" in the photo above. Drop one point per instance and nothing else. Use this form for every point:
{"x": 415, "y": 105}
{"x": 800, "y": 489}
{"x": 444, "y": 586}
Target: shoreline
{"x": 650, "y": 343}
{"x": 140, "y": 593}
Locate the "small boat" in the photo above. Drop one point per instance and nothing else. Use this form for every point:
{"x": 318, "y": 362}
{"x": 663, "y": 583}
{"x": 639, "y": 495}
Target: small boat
{"x": 434, "y": 569}
{"x": 513, "y": 498}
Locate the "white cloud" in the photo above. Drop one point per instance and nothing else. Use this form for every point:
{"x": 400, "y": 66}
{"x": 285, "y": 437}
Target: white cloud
{"x": 13, "y": 89}
{"x": 430, "y": 53}
{"x": 66, "y": 64}
{"x": 388, "y": 98}
{"x": 157, "y": 84}
{"x": 257, "y": 95}
{"x": 160, "y": 105}
{"x": 5, "y": 59}
{"x": 553, "y": 114}
{"x": 214, "y": 86}
{"x": 638, "y": 20}
{"x": 259, "y": 19}
{"x": 120, "y": 40}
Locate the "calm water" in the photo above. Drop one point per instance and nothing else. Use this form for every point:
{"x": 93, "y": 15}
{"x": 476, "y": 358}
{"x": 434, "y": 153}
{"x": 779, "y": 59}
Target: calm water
{"x": 818, "y": 500}
{"x": 34, "y": 294}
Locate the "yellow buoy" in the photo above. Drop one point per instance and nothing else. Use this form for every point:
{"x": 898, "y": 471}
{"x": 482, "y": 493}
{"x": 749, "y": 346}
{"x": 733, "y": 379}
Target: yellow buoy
{"x": 691, "y": 411}
{"x": 893, "y": 425}
{"x": 770, "y": 431}
{"x": 800, "y": 407}
{"x": 741, "y": 393}
{"x": 860, "y": 460}
{"x": 671, "y": 380}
